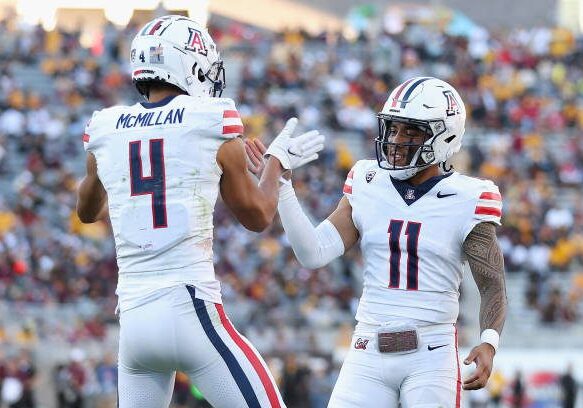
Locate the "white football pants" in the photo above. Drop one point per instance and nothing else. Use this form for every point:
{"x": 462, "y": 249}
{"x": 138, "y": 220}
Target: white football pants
{"x": 426, "y": 378}
{"x": 179, "y": 332}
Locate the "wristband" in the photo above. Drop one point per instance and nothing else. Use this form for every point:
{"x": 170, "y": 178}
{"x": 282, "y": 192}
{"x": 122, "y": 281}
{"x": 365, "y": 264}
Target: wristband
{"x": 491, "y": 337}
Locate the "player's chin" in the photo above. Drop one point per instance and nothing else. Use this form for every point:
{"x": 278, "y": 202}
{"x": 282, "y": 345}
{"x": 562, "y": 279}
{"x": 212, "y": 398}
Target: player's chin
{"x": 397, "y": 164}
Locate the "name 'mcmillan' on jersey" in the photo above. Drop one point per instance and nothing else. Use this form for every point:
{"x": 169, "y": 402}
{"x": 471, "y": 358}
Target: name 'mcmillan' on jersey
{"x": 411, "y": 240}
{"x": 157, "y": 162}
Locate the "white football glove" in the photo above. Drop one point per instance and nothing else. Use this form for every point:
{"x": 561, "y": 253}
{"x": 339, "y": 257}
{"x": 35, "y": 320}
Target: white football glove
{"x": 295, "y": 151}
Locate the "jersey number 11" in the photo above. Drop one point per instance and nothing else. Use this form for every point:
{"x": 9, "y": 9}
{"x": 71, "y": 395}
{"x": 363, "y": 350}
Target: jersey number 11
{"x": 412, "y": 232}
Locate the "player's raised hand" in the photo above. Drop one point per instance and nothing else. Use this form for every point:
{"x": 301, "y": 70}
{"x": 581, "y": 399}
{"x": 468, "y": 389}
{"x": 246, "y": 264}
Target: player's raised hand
{"x": 292, "y": 150}
{"x": 483, "y": 356}
{"x": 255, "y": 150}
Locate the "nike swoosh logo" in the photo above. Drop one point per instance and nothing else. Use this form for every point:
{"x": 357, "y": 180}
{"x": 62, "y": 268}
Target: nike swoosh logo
{"x": 293, "y": 154}
{"x": 439, "y": 195}
{"x": 436, "y": 347}
{"x": 429, "y": 107}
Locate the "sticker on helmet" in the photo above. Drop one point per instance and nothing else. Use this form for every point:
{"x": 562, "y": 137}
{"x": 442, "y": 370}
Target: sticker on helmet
{"x": 453, "y": 107}
{"x": 133, "y": 55}
{"x": 157, "y": 54}
{"x": 195, "y": 42}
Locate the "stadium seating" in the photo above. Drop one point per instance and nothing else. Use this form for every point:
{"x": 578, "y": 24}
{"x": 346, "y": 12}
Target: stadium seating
{"x": 58, "y": 277}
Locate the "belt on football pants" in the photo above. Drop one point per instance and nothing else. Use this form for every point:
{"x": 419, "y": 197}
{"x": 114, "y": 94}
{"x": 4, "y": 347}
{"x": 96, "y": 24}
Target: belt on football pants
{"x": 401, "y": 341}
{"x": 396, "y": 337}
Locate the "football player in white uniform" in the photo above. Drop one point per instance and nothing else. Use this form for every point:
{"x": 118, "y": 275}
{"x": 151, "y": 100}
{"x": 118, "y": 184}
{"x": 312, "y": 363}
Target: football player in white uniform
{"x": 417, "y": 224}
{"x": 156, "y": 167}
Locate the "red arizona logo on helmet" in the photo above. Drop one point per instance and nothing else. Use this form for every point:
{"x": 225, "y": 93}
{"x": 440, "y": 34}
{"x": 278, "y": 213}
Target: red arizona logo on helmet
{"x": 195, "y": 42}
{"x": 453, "y": 107}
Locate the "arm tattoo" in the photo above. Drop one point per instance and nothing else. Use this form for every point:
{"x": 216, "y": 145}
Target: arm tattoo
{"x": 487, "y": 265}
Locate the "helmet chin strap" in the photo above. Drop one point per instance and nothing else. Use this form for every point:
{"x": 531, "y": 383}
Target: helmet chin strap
{"x": 404, "y": 174}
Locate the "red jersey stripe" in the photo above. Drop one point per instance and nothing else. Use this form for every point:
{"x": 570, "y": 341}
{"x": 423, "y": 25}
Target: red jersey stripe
{"x": 85, "y": 137}
{"x": 233, "y": 129}
{"x": 488, "y": 211}
{"x": 251, "y": 356}
{"x": 347, "y": 189}
{"x": 231, "y": 114}
{"x": 490, "y": 196}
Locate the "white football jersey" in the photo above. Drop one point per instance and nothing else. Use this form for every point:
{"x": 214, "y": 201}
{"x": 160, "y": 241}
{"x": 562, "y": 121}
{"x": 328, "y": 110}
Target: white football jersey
{"x": 157, "y": 162}
{"x": 411, "y": 241}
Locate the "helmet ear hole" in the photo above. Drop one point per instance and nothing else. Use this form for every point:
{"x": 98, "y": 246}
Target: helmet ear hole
{"x": 201, "y": 76}
{"x": 449, "y": 139}
{"x": 198, "y": 72}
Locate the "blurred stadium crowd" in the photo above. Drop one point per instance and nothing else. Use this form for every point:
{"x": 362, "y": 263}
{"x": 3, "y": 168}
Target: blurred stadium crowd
{"x": 524, "y": 94}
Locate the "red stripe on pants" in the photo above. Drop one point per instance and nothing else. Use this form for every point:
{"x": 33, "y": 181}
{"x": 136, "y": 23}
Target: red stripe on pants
{"x": 458, "y": 391}
{"x": 251, "y": 356}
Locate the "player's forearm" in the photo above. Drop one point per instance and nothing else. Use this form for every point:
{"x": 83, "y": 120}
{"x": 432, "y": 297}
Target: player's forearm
{"x": 299, "y": 230}
{"x": 487, "y": 265}
{"x": 493, "y": 306}
{"x": 314, "y": 247}
{"x": 268, "y": 186}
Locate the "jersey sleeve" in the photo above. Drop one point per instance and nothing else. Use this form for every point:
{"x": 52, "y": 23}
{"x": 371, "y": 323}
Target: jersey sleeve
{"x": 89, "y": 131}
{"x": 349, "y": 184}
{"x": 347, "y": 190}
{"x": 232, "y": 125}
{"x": 487, "y": 206}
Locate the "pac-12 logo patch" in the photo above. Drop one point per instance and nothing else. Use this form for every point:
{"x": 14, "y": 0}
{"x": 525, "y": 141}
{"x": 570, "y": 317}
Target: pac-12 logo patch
{"x": 361, "y": 344}
{"x": 195, "y": 42}
{"x": 370, "y": 175}
{"x": 453, "y": 106}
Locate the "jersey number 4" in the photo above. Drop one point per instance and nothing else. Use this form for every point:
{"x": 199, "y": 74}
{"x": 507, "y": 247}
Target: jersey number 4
{"x": 155, "y": 184}
{"x": 412, "y": 232}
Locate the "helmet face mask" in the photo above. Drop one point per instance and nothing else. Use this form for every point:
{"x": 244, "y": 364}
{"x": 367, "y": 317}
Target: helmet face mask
{"x": 422, "y": 106}
{"x": 178, "y": 51}
{"x": 216, "y": 74}
{"x": 401, "y": 155}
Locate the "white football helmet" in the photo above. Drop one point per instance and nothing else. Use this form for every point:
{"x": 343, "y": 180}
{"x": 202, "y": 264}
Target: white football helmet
{"x": 179, "y": 51}
{"x": 435, "y": 107}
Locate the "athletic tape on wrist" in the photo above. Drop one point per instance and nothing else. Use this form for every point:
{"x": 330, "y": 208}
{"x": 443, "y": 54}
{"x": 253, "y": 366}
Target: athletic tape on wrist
{"x": 491, "y": 337}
